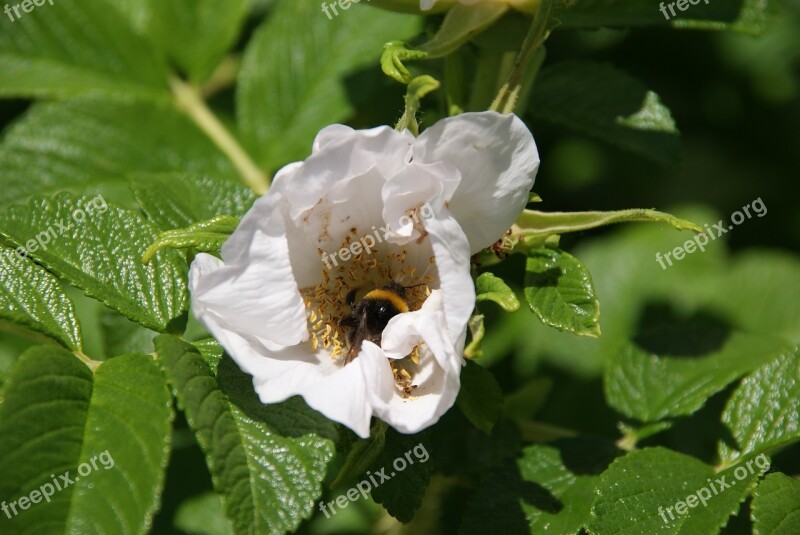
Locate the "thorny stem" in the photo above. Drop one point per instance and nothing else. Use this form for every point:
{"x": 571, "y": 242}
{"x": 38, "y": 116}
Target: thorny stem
{"x": 189, "y": 100}
{"x": 509, "y": 94}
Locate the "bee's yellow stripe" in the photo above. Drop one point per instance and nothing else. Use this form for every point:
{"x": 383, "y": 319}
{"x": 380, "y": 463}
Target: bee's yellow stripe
{"x": 390, "y": 296}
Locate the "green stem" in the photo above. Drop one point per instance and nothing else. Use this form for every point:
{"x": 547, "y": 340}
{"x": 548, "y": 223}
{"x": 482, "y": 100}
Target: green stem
{"x": 189, "y": 99}
{"x": 507, "y": 98}
{"x": 223, "y": 76}
{"x": 542, "y": 432}
{"x": 533, "y": 223}
{"x": 92, "y": 364}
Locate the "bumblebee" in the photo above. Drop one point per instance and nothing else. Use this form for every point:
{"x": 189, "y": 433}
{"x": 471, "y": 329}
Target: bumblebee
{"x": 370, "y": 316}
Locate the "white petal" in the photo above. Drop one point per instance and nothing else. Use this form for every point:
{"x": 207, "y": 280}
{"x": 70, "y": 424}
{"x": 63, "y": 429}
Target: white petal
{"x": 437, "y": 377}
{"x": 255, "y": 290}
{"x": 342, "y": 396}
{"x": 429, "y": 325}
{"x": 436, "y": 392}
{"x": 413, "y": 187}
{"x": 498, "y": 160}
{"x": 337, "y": 392}
{"x": 451, "y": 250}
{"x": 342, "y": 153}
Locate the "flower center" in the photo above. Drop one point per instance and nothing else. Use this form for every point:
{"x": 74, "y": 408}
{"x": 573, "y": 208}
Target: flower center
{"x": 333, "y": 305}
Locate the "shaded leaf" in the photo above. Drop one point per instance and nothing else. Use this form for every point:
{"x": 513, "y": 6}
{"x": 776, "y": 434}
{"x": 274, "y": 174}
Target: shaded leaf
{"x": 606, "y": 103}
{"x": 203, "y": 515}
{"x": 750, "y": 16}
{"x": 651, "y": 387}
{"x": 406, "y": 461}
{"x": 480, "y": 397}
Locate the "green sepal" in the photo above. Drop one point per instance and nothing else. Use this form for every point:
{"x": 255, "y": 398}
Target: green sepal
{"x": 206, "y": 236}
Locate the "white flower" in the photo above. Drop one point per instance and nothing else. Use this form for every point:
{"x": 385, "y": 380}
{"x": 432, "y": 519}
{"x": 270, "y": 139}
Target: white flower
{"x": 277, "y": 298}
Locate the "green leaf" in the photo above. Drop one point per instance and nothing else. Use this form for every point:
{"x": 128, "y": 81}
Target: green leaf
{"x": 299, "y": 59}
{"x": 528, "y": 399}
{"x": 393, "y": 56}
{"x": 211, "y": 352}
{"x": 98, "y": 248}
{"x": 639, "y": 492}
{"x": 652, "y": 387}
{"x": 269, "y": 478}
{"x": 33, "y": 298}
{"x": 653, "y": 116}
{"x": 477, "y": 331}
{"x": 362, "y": 454}
{"x": 69, "y": 47}
{"x": 121, "y": 335}
{"x": 762, "y": 412}
{"x": 550, "y": 488}
{"x": 461, "y": 24}
{"x": 559, "y": 290}
{"x": 196, "y": 33}
{"x": 631, "y": 284}
{"x": 203, "y": 515}
{"x": 606, "y": 103}
{"x": 406, "y": 462}
{"x": 569, "y": 470}
{"x": 135, "y": 12}
{"x": 760, "y": 293}
{"x": 776, "y": 506}
{"x": 178, "y": 200}
{"x": 90, "y": 142}
{"x": 750, "y": 16}
{"x": 480, "y": 397}
{"x": 206, "y": 236}
{"x": 56, "y": 418}
{"x": 490, "y": 287}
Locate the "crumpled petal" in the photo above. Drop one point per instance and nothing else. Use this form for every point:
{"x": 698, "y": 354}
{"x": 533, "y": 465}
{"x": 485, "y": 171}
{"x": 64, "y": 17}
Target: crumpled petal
{"x": 498, "y": 161}
{"x": 438, "y": 377}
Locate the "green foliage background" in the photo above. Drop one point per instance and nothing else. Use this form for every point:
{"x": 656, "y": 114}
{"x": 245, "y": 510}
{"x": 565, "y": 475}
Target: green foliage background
{"x": 697, "y": 369}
